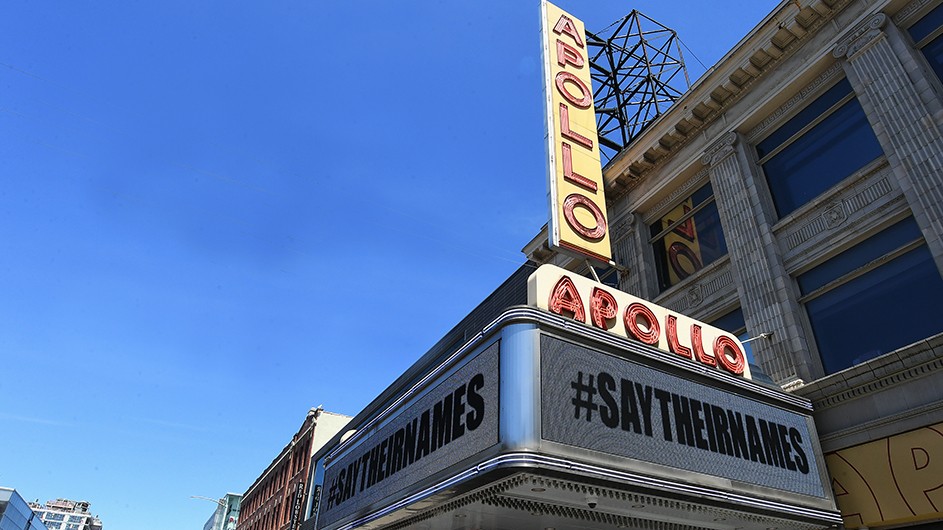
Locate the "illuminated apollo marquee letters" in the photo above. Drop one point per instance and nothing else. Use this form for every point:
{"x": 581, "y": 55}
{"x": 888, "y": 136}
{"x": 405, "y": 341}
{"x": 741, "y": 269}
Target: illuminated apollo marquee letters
{"x": 564, "y": 293}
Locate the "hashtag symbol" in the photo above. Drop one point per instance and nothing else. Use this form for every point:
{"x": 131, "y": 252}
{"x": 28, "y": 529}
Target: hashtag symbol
{"x": 332, "y": 493}
{"x": 579, "y": 401}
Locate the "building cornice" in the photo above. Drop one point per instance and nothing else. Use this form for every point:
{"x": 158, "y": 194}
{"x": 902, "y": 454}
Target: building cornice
{"x": 307, "y": 425}
{"x": 892, "y": 369}
{"x": 814, "y": 88}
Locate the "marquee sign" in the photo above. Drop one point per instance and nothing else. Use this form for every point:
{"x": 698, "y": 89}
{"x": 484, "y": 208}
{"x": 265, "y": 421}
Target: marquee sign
{"x": 454, "y": 420}
{"x": 537, "y": 399}
{"x": 617, "y": 407}
{"x": 578, "y": 220}
{"x": 562, "y": 292}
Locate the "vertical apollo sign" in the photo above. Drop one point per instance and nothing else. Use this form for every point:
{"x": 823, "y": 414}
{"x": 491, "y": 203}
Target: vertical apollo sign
{"x": 578, "y": 221}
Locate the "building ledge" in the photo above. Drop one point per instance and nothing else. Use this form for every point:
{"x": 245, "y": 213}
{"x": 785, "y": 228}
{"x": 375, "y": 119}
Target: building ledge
{"x": 893, "y": 393}
{"x": 888, "y": 370}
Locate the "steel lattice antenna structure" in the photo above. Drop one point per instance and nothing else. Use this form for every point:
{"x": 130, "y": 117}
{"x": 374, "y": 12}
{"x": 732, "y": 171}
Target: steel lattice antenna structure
{"x": 635, "y": 65}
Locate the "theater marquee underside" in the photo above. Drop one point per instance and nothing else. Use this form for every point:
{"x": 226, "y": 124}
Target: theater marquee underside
{"x": 541, "y": 422}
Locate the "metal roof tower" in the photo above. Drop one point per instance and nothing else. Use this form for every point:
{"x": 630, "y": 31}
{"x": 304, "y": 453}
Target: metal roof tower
{"x": 635, "y": 64}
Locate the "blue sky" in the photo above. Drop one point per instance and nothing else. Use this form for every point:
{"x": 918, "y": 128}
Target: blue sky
{"x": 216, "y": 215}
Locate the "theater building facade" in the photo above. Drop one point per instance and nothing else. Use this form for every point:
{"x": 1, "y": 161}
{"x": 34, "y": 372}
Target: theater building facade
{"x": 576, "y": 405}
{"x": 797, "y": 190}
{"x": 781, "y": 222}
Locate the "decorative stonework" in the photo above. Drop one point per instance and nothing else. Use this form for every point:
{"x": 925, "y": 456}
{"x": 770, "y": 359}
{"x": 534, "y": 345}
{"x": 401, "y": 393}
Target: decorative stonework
{"x": 869, "y": 195}
{"x": 888, "y": 84}
{"x": 718, "y": 282}
{"x": 860, "y": 37}
{"x": 836, "y": 212}
{"x": 834, "y": 215}
{"x": 902, "y": 18}
{"x": 824, "y": 78}
{"x": 805, "y": 232}
{"x": 709, "y": 283}
{"x": 878, "y": 384}
{"x": 694, "y": 295}
{"x": 681, "y": 191}
{"x": 720, "y": 149}
{"x": 792, "y": 383}
{"x": 624, "y": 227}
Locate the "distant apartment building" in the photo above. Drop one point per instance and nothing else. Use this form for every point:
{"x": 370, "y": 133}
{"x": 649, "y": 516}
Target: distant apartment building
{"x": 226, "y": 515}
{"x": 276, "y": 500}
{"x": 65, "y": 514}
{"x": 16, "y": 514}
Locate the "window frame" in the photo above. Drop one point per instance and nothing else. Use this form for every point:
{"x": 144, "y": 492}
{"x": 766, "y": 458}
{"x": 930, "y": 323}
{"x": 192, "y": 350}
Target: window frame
{"x": 805, "y": 129}
{"x": 860, "y": 271}
{"x": 683, "y": 218}
{"x": 805, "y": 320}
{"x": 932, "y": 36}
{"x": 659, "y": 214}
{"x": 929, "y": 67}
{"x": 769, "y": 195}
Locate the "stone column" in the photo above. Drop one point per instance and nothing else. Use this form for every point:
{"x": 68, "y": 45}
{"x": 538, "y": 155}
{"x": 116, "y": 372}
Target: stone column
{"x": 628, "y": 250}
{"x": 765, "y": 290}
{"x": 893, "y": 92}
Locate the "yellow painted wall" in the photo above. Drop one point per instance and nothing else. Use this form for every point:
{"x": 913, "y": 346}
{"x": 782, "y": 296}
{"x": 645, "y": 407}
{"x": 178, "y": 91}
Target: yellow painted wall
{"x": 892, "y": 480}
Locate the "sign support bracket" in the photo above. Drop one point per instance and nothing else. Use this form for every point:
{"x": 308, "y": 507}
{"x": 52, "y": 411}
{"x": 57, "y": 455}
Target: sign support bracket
{"x": 592, "y": 271}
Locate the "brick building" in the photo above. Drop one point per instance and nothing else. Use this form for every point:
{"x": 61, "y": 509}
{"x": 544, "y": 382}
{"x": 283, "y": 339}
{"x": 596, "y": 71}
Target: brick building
{"x": 276, "y": 499}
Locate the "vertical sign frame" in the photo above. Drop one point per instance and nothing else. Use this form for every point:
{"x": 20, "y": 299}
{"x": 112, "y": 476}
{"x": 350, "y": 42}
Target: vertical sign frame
{"x": 578, "y": 219}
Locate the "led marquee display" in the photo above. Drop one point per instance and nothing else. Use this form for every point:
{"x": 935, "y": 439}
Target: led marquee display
{"x": 621, "y": 408}
{"x": 453, "y": 420}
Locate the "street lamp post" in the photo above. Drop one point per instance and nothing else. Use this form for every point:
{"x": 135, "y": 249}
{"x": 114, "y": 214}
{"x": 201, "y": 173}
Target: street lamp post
{"x": 217, "y": 501}
{"x": 220, "y": 515}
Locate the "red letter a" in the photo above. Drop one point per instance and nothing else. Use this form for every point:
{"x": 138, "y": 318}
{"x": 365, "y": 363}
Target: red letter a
{"x": 565, "y": 297}
{"x": 565, "y": 26}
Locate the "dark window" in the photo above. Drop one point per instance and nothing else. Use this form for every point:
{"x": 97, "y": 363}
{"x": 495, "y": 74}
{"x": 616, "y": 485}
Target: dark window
{"x": 934, "y": 54}
{"x": 873, "y": 298}
{"x": 609, "y": 276}
{"x": 927, "y": 35}
{"x": 687, "y": 238}
{"x": 825, "y": 142}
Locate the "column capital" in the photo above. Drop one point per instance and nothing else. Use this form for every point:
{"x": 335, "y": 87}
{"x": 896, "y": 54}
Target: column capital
{"x": 624, "y": 226}
{"x": 859, "y": 37}
{"x": 720, "y": 149}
